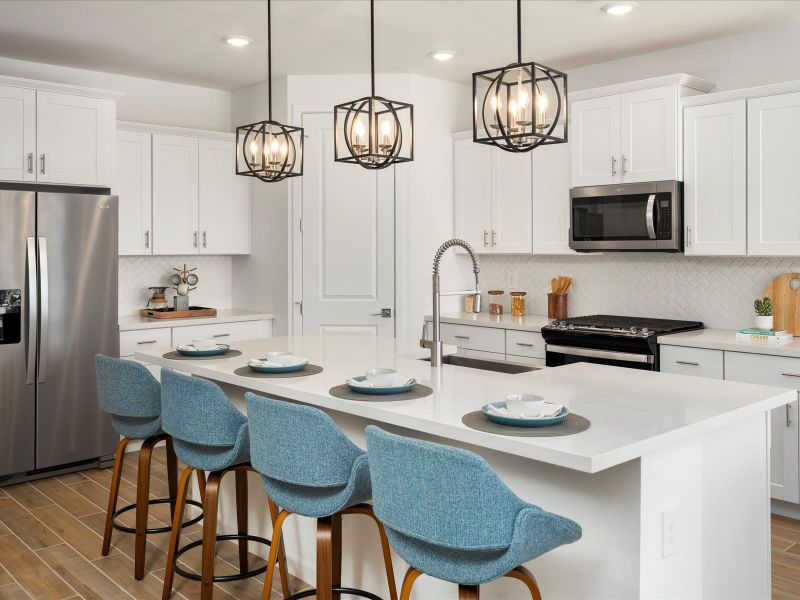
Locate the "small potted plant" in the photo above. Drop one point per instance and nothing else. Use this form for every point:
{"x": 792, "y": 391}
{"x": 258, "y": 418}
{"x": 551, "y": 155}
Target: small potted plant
{"x": 763, "y": 308}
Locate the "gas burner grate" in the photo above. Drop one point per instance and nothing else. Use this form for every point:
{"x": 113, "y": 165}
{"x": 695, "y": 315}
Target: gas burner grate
{"x": 621, "y": 322}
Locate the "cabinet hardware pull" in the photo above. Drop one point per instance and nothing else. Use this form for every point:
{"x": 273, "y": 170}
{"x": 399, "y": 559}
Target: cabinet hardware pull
{"x": 791, "y": 374}
{"x": 485, "y": 234}
{"x": 461, "y": 337}
{"x": 624, "y": 165}
{"x": 205, "y": 239}
{"x": 30, "y": 162}
{"x": 142, "y": 343}
{"x": 219, "y": 335}
{"x": 43, "y": 169}
{"x": 788, "y": 419}
{"x": 525, "y": 345}
{"x": 688, "y": 362}
{"x": 195, "y": 239}
{"x": 147, "y": 238}
{"x": 688, "y": 236}
{"x": 493, "y": 234}
{"x": 613, "y": 165}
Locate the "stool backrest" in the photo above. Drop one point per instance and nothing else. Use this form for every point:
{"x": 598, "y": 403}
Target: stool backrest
{"x": 298, "y": 444}
{"x": 197, "y": 411}
{"x": 443, "y": 495}
{"x": 126, "y": 388}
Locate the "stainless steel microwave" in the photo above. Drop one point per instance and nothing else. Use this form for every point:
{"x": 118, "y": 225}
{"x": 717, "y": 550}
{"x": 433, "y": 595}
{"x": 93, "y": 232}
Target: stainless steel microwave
{"x": 643, "y": 217}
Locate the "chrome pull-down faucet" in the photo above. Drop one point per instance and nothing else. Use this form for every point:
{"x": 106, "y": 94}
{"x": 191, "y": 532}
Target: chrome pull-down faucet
{"x": 435, "y": 344}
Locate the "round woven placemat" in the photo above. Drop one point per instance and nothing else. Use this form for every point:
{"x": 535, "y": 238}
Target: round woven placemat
{"x": 175, "y": 355}
{"x": 344, "y": 391}
{"x": 572, "y": 424}
{"x": 248, "y": 372}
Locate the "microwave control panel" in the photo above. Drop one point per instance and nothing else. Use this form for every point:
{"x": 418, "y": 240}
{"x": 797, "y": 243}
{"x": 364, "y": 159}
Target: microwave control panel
{"x": 664, "y": 220}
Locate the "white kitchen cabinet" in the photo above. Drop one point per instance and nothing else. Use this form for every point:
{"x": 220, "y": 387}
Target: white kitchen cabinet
{"x": 224, "y": 200}
{"x": 773, "y": 176}
{"x": 486, "y": 339}
{"x": 550, "y": 208}
{"x": 715, "y": 185}
{"x": 473, "y": 192}
{"x": 649, "y": 140}
{"x": 132, "y": 183}
{"x": 224, "y": 333}
{"x": 785, "y": 445}
{"x": 18, "y": 139}
{"x": 74, "y": 139}
{"x": 525, "y": 343}
{"x": 595, "y": 140}
{"x": 698, "y": 362}
{"x": 175, "y": 194}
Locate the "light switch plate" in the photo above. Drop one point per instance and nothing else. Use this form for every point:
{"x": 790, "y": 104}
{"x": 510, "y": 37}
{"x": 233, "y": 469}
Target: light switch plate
{"x": 669, "y": 531}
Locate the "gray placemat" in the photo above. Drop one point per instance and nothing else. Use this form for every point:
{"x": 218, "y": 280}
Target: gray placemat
{"x": 175, "y": 355}
{"x": 344, "y": 391}
{"x": 248, "y": 372}
{"x": 572, "y": 424}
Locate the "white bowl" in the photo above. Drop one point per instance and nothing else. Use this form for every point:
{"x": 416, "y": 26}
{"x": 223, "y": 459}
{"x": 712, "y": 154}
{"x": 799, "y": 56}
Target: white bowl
{"x": 524, "y": 403}
{"x": 281, "y": 358}
{"x": 207, "y": 344}
{"x": 381, "y": 377}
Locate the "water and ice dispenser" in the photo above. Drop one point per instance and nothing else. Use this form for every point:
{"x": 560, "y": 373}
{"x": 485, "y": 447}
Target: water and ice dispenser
{"x": 10, "y": 316}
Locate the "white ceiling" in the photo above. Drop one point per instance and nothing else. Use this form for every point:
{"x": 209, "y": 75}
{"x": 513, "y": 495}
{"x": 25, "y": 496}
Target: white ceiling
{"x": 180, "y": 40}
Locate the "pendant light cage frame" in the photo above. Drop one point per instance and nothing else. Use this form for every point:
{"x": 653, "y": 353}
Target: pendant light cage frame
{"x": 373, "y": 131}
{"x": 269, "y": 150}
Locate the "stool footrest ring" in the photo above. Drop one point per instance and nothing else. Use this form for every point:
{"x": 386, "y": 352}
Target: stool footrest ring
{"x": 150, "y": 530}
{"x": 339, "y": 590}
{"x": 221, "y": 578}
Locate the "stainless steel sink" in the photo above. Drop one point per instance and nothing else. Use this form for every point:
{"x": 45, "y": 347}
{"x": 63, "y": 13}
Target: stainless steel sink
{"x": 485, "y": 365}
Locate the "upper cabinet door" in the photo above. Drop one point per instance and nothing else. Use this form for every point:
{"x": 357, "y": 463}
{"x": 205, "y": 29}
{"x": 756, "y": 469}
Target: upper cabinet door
{"x": 649, "y": 135}
{"x": 773, "y": 176}
{"x": 224, "y": 219}
{"x": 551, "y": 199}
{"x": 132, "y": 183}
{"x": 18, "y": 139}
{"x": 75, "y": 139}
{"x": 175, "y": 177}
{"x": 715, "y": 180}
{"x": 511, "y": 203}
{"x": 594, "y": 138}
{"x": 473, "y": 193}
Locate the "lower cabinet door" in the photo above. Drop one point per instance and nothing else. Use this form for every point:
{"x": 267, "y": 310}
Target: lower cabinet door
{"x": 223, "y": 333}
{"x": 785, "y": 421}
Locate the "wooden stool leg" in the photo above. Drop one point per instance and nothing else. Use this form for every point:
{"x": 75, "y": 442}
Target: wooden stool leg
{"x": 366, "y": 509}
{"x": 113, "y": 494}
{"x": 275, "y": 549}
{"x": 201, "y": 486}
{"x": 175, "y": 536}
{"x": 408, "y": 582}
{"x": 277, "y": 523}
{"x": 241, "y": 516}
{"x": 324, "y": 558}
{"x": 142, "y": 506}
{"x": 210, "y": 533}
{"x": 172, "y": 476}
{"x": 468, "y": 592}
{"x": 336, "y": 554}
{"x": 526, "y": 577}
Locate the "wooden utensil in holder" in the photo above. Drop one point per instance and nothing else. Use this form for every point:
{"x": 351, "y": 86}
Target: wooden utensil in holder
{"x": 557, "y": 298}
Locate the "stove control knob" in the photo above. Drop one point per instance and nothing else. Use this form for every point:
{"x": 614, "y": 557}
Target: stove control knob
{"x": 554, "y": 323}
{"x": 645, "y": 331}
{"x": 562, "y": 324}
{"x": 634, "y": 331}
{"x": 571, "y": 326}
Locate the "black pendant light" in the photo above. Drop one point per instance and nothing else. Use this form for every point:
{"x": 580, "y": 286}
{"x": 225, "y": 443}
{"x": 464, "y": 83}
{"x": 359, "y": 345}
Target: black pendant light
{"x": 373, "y": 131}
{"x": 267, "y": 149}
{"x": 520, "y": 106}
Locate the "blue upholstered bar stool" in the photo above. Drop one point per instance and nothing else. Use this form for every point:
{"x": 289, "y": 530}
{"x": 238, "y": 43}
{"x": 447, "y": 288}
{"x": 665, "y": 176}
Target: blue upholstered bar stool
{"x": 209, "y": 434}
{"x": 449, "y": 515}
{"x": 130, "y": 394}
{"x": 310, "y": 468}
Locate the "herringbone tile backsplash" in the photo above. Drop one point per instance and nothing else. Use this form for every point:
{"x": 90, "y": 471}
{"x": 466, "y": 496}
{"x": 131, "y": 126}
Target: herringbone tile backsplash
{"x": 137, "y": 273}
{"x": 718, "y": 291}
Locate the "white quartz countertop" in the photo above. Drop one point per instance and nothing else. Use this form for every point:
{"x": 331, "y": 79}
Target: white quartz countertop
{"x": 224, "y": 315}
{"x": 504, "y": 321}
{"x": 723, "y": 339}
{"x": 632, "y": 412}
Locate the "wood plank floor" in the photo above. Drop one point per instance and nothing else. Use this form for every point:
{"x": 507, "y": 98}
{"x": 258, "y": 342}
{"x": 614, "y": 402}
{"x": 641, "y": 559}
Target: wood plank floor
{"x": 51, "y": 532}
{"x": 50, "y": 535}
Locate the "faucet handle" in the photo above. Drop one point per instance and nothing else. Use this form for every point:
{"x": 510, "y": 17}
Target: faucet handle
{"x": 424, "y": 342}
{"x": 476, "y": 302}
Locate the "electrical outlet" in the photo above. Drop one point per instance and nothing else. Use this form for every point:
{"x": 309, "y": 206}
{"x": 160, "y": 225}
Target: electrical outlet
{"x": 669, "y": 531}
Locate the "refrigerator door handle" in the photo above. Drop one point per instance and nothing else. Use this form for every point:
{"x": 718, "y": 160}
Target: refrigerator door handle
{"x": 33, "y": 311}
{"x": 43, "y": 302}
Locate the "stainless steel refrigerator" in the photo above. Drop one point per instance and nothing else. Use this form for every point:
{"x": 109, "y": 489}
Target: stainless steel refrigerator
{"x": 58, "y": 308}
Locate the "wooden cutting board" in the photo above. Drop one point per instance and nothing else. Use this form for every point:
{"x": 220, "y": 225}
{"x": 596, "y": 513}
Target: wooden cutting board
{"x": 785, "y": 302}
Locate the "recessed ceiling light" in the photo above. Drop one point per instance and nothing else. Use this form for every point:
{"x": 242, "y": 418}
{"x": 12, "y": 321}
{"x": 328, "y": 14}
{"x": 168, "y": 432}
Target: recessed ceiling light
{"x": 238, "y": 40}
{"x": 442, "y": 55}
{"x": 617, "y": 9}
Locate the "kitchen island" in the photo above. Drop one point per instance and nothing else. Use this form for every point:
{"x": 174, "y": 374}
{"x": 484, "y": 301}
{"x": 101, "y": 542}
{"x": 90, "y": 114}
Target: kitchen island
{"x": 670, "y": 483}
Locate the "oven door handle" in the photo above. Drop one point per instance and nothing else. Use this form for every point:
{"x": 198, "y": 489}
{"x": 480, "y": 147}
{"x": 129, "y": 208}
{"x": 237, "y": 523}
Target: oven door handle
{"x": 651, "y": 217}
{"x": 606, "y": 354}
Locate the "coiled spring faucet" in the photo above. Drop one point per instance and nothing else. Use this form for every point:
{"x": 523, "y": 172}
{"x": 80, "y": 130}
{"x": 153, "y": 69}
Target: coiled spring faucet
{"x": 435, "y": 344}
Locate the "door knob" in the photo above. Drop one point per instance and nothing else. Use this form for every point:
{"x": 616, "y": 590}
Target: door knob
{"x": 386, "y": 313}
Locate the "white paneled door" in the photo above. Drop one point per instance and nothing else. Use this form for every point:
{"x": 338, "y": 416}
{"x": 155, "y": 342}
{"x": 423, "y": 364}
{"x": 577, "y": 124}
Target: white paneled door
{"x": 511, "y": 208}
{"x": 18, "y": 139}
{"x": 551, "y": 200}
{"x": 348, "y": 240}
{"x": 649, "y": 148}
{"x": 175, "y": 194}
{"x": 132, "y": 183}
{"x": 473, "y": 193}
{"x": 595, "y": 141}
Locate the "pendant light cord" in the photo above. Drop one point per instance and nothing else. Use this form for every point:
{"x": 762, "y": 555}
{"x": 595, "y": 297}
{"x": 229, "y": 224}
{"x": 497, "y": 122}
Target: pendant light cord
{"x": 372, "y": 42}
{"x": 269, "y": 57}
{"x": 519, "y": 31}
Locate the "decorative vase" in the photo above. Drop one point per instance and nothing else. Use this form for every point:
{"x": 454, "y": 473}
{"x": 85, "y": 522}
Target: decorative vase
{"x": 763, "y": 322}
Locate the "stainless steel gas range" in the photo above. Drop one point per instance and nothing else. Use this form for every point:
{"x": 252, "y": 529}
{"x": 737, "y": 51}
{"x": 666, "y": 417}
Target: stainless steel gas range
{"x": 609, "y": 340}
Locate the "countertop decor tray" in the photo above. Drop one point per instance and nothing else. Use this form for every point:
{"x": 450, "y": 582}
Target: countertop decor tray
{"x": 171, "y": 313}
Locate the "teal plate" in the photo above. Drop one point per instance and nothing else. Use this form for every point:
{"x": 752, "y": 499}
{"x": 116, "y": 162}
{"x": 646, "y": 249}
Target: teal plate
{"x": 289, "y": 369}
{"x": 381, "y": 391}
{"x": 220, "y": 349}
{"x": 523, "y": 422}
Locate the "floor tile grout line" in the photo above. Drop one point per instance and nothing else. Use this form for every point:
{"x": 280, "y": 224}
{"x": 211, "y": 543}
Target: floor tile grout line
{"x": 30, "y": 512}
{"x": 45, "y": 564}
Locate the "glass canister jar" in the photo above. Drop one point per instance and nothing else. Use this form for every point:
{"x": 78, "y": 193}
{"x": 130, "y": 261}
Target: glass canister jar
{"x": 496, "y": 298}
{"x": 518, "y": 304}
